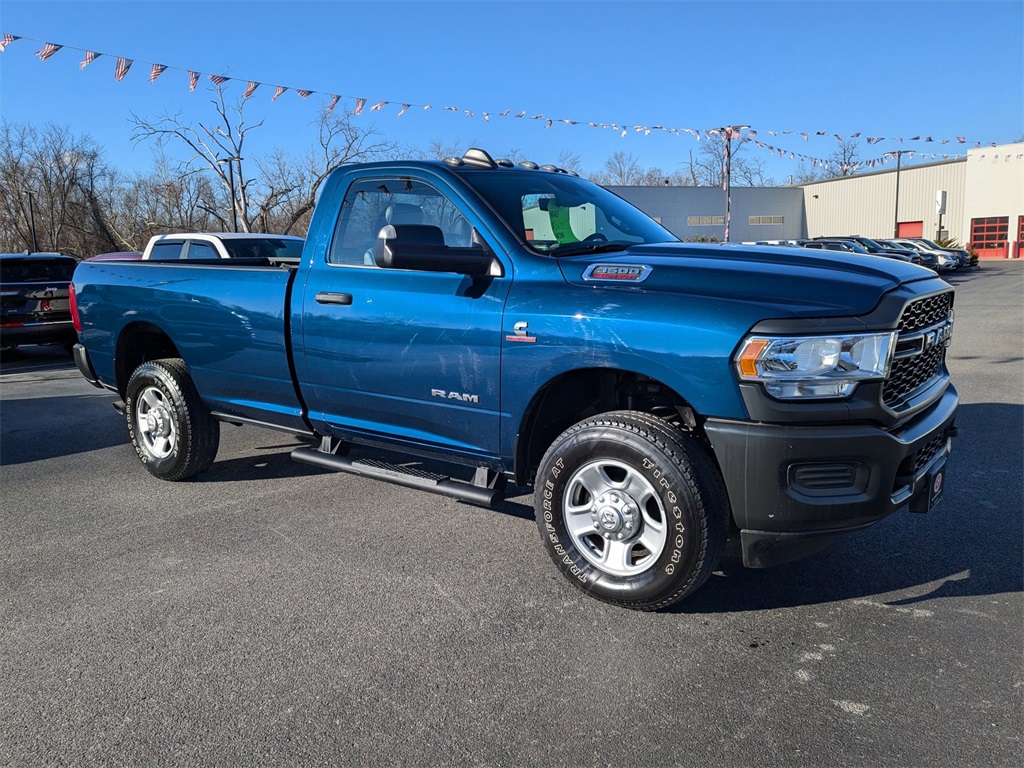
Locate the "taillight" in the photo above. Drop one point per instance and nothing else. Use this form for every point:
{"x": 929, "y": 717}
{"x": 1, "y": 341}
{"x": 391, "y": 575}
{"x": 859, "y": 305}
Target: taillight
{"x": 76, "y": 321}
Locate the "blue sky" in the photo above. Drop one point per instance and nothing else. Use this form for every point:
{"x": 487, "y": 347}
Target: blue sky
{"x": 883, "y": 69}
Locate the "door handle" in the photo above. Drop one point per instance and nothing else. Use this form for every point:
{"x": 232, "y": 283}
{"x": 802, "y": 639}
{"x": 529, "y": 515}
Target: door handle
{"x": 326, "y": 297}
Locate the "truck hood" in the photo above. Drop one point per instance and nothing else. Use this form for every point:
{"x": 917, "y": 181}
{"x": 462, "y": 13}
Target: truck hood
{"x": 795, "y": 281}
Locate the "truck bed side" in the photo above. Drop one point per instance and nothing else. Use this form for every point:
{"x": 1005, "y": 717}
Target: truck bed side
{"x": 227, "y": 321}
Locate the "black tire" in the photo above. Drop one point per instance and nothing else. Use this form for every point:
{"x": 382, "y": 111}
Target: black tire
{"x": 171, "y": 429}
{"x": 631, "y": 509}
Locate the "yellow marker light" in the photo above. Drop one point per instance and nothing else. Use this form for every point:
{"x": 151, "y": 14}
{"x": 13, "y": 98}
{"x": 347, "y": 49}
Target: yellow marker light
{"x": 747, "y": 360}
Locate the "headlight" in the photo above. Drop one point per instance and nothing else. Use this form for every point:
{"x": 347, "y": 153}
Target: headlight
{"x": 815, "y": 366}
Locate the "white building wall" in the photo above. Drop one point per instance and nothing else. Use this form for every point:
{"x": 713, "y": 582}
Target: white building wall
{"x": 866, "y": 204}
{"x": 995, "y": 187}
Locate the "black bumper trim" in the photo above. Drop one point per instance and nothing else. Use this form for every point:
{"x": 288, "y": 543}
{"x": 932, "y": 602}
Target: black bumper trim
{"x": 84, "y": 364}
{"x": 772, "y": 511}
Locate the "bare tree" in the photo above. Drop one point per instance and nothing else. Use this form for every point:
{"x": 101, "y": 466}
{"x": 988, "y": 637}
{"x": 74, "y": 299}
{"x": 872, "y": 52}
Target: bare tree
{"x": 281, "y": 197}
{"x": 53, "y": 184}
{"x": 706, "y": 168}
{"x": 844, "y": 161}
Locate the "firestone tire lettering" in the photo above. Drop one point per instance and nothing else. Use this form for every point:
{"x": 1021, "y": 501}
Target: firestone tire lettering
{"x": 171, "y": 429}
{"x": 631, "y": 509}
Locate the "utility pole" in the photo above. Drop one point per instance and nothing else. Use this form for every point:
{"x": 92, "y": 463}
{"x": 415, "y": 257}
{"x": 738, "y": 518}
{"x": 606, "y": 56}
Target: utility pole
{"x": 896, "y": 207}
{"x": 32, "y": 222}
{"x": 729, "y": 132}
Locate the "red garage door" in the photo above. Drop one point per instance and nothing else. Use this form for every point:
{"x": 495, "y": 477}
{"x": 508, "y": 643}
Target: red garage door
{"x": 989, "y": 236}
{"x": 910, "y": 229}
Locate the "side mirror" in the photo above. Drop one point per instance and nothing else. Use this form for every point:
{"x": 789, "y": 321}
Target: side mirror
{"x": 422, "y": 247}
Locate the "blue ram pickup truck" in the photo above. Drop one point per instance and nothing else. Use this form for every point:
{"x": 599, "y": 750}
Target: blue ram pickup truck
{"x": 529, "y": 326}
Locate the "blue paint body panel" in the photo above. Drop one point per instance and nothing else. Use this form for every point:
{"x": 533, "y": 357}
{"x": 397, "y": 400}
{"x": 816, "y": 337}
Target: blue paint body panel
{"x": 446, "y": 362}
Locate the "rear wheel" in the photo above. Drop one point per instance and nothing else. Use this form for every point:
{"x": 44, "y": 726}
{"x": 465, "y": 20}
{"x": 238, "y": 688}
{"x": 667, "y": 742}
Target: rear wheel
{"x": 171, "y": 429}
{"x": 631, "y": 509}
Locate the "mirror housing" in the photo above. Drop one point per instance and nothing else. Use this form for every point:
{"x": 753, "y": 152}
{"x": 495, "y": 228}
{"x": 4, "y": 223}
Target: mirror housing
{"x": 422, "y": 247}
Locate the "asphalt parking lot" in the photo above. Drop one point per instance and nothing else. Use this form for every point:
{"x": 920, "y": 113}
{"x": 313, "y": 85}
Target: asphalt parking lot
{"x": 272, "y": 613}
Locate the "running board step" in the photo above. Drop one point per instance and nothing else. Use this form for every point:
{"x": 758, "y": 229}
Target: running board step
{"x": 486, "y": 495}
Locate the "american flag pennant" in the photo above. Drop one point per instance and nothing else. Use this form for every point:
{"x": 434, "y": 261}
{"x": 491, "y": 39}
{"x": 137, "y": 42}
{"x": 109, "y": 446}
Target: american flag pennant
{"x": 623, "y": 135}
{"x": 278, "y": 91}
{"x": 250, "y": 89}
{"x": 426, "y": 107}
{"x": 772, "y": 133}
{"x": 806, "y": 136}
{"x": 219, "y": 79}
{"x": 402, "y": 110}
{"x": 752, "y": 132}
{"x": 786, "y": 133}
{"x": 303, "y": 94}
{"x": 123, "y": 65}
{"x": 977, "y": 145}
{"x": 451, "y": 109}
{"x": 469, "y": 112}
{"x": 548, "y": 124}
{"x": 487, "y": 117}
{"x": 819, "y": 133}
{"x": 378, "y": 106}
{"x": 915, "y": 138}
{"x": 521, "y": 114}
{"x": 505, "y": 113}
{"x": 360, "y": 103}
{"x": 537, "y": 117}
{"x": 929, "y": 138}
{"x": 193, "y": 80}
{"x": 48, "y": 50}
{"x": 960, "y": 139}
{"x": 944, "y": 141}
{"x": 838, "y": 136}
{"x": 900, "y": 140}
{"x": 855, "y": 135}
{"x": 334, "y": 102}
{"x": 90, "y": 57}
{"x": 156, "y": 71}
{"x": 7, "y": 40}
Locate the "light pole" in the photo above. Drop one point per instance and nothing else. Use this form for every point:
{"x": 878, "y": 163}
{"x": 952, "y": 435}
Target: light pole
{"x": 32, "y": 221}
{"x": 729, "y": 132}
{"x": 896, "y": 206}
{"x": 231, "y": 180}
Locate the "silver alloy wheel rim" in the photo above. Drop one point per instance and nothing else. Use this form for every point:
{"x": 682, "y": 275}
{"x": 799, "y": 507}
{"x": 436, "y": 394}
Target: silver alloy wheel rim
{"x": 615, "y": 517}
{"x": 154, "y": 423}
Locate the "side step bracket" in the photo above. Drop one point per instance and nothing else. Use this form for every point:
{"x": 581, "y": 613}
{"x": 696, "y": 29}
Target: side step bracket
{"x": 487, "y": 488}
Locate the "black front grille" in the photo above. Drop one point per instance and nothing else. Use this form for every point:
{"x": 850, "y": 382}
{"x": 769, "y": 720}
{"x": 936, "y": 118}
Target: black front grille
{"x": 908, "y": 374}
{"x": 925, "y": 312}
{"x": 927, "y": 453}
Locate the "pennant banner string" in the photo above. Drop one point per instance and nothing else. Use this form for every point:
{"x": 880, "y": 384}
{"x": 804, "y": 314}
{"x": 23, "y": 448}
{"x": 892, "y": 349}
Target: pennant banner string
{"x": 729, "y": 133}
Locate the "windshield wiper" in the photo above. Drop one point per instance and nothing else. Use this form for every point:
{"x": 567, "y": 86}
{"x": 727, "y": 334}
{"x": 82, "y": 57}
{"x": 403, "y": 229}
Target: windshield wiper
{"x": 576, "y": 250}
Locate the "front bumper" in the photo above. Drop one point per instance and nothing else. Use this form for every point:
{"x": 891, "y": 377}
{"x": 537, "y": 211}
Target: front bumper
{"x": 793, "y": 488}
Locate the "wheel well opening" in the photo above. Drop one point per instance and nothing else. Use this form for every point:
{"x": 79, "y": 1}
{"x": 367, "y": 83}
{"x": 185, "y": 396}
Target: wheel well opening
{"x": 140, "y": 343}
{"x": 581, "y": 394}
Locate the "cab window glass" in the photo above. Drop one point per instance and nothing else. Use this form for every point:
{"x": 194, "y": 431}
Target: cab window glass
{"x": 371, "y": 204}
{"x": 166, "y": 251}
{"x": 200, "y": 249}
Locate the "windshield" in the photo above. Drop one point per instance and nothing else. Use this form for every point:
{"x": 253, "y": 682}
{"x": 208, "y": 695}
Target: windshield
{"x": 868, "y": 243}
{"x": 561, "y": 215}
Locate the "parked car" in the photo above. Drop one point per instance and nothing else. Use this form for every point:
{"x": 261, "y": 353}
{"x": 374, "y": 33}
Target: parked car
{"x": 852, "y": 246}
{"x": 34, "y": 299}
{"x": 962, "y": 256}
{"x": 224, "y": 245}
{"x": 117, "y": 256}
{"x": 875, "y": 247}
{"x": 945, "y": 262}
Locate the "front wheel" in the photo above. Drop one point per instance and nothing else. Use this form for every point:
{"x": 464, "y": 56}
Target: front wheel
{"x": 171, "y": 429}
{"x": 631, "y": 509}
